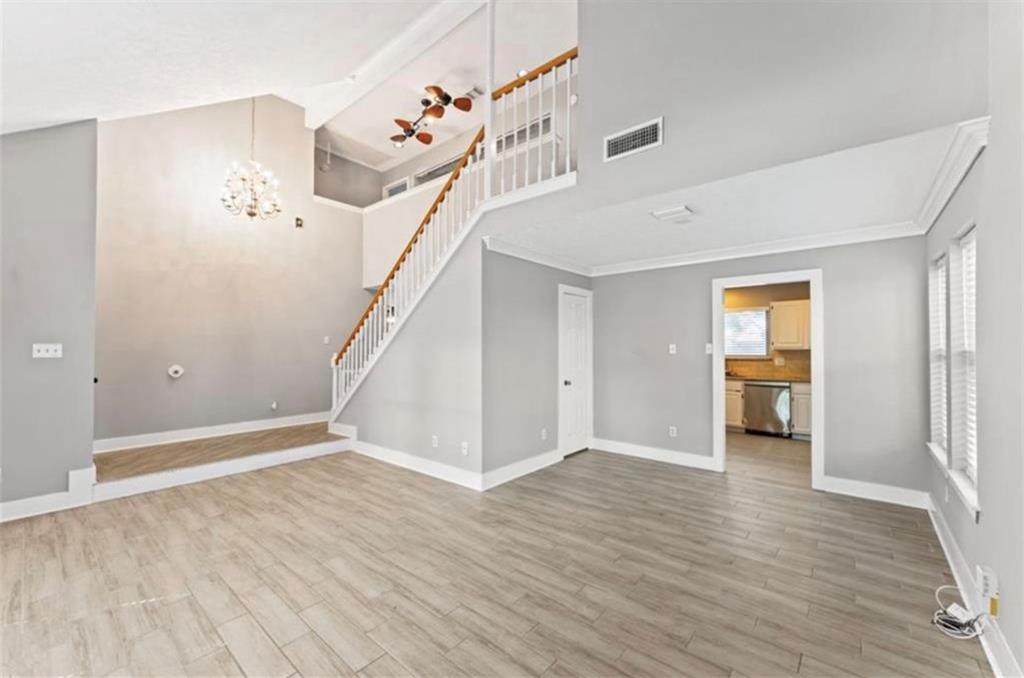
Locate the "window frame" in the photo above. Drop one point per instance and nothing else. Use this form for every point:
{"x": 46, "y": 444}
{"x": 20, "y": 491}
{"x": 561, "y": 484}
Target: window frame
{"x": 938, "y": 357}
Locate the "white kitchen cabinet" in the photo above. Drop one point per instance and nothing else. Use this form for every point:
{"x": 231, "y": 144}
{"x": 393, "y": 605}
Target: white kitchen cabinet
{"x": 734, "y": 404}
{"x": 800, "y": 408}
{"x": 790, "y": 325}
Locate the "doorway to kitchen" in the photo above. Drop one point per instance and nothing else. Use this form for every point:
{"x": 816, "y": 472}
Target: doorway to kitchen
{"x": 768, "y": 377}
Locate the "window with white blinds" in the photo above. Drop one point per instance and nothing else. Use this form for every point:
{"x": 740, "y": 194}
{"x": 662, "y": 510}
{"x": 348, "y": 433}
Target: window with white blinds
{"x": 746, "y": 333}
{"x": 938, "y": 277}
{"x": 966, "y": 458}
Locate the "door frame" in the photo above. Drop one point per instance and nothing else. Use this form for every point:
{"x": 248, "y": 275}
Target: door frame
{"x": 718, "y": 287}
{"x": 563, "y": 290}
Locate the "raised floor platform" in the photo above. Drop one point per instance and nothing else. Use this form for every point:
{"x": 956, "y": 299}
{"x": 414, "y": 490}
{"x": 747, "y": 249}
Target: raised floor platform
{"x": 139, "y": 461}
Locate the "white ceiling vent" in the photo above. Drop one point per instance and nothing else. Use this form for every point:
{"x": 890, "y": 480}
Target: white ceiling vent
{"x": 633, "y": 140}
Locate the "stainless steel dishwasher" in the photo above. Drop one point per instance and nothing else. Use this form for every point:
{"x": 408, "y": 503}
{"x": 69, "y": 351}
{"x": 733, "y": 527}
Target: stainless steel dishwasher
{"x": 766, "y": 407}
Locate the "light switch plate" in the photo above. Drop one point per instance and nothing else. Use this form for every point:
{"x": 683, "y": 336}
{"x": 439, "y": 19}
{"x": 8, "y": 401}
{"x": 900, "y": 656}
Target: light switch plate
{"x": 47, "y": 350}
{"x": 671, "y": 349}
{"x": 708, "y": 349}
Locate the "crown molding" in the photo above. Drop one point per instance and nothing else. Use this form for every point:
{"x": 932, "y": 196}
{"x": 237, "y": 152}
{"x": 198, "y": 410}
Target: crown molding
{"x": 853, "y": 236}
{"x": 969, "y": 140}
{"x": 500, "y": 247}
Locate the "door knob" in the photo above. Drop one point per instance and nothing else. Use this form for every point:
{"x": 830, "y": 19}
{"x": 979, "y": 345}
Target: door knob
{"x": 567, "y": 382}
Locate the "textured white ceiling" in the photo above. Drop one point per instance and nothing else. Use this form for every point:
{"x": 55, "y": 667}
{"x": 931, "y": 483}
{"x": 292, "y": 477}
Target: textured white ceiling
{"x": 78, "y": 60}
{"x": 868, "y": 187}
{"x": 527, "y": 33}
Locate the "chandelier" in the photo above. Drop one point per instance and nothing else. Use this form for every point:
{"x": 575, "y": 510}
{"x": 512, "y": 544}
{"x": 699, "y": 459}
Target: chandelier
{"x": 251, "y": 189}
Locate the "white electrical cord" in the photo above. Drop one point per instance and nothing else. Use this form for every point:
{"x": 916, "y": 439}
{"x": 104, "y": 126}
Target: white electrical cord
{"x": 954, "y": 620}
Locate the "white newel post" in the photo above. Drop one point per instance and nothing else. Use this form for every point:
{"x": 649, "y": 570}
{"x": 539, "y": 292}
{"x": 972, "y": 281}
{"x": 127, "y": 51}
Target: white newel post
{"x": 490, "y": 136}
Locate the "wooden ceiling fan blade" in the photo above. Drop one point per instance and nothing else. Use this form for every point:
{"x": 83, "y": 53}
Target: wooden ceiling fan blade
{"x": 464, "y": 104}
{"x": 435, "y": 91}
{"x": 404, "y": 124}
{"x": 398, "y": 138}
{"x": 435, "y": 111}
{"x": 424, "y": 137}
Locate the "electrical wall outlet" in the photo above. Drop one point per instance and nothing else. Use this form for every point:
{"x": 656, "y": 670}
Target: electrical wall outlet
{"x": 47, "y": 350}
{"x": 465, "y": 448}
{"x": 327, "y": 340}
{"x": 273, "y": 405}
{"x": 544, "y": 433}
{"x": 671, "y": 349}
{"x": 673, "y": 432}
{"x": 433, "y": 441}
{"x": 988, "y": 586}
{"x": 708, "y": 349}
{"x": 779, "y": 361}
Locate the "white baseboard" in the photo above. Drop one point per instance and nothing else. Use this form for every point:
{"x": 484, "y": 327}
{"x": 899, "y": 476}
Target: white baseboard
{"x": 79, "y": 493}
{"x": 350, "y": 432}
{"x": 520, "y": 468}
{"x": 889, "y": 494}
{"x": 150, "y": 482}
{"x": 435, "y": 469}
{"x": 688, "y": 459}
{"x": 1000, "y": 657}
{"x": 145, "y": 439}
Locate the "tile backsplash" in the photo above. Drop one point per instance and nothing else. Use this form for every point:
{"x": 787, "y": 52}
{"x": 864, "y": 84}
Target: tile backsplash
{"x": 797, "y": 367}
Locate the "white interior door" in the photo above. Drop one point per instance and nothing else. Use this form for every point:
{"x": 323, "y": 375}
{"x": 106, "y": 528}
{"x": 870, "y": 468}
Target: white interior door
{"x": 575, "y": 368}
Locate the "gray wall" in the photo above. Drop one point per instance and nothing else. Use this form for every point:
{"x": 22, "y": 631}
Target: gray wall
{"x": 243, "y": 305}
{"x": 748, "y": 85}
{"x": 49, "y": 295}
{"x": 520, "y": 354}
{"x": 347, "y": 181}
{"x": 876, "y": 410}
{"x": 991, "y": 197}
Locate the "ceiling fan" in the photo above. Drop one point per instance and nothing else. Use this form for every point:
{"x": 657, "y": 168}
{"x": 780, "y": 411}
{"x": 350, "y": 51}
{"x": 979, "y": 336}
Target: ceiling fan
{"x": 433, "y": 109}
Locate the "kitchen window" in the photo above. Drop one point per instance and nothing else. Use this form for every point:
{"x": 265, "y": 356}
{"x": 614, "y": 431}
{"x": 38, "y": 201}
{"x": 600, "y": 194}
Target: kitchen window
{"x": 746, "y": 333}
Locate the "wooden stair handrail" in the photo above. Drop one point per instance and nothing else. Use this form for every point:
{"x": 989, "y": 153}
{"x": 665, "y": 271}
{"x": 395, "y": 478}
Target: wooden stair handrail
{"x": 412, "y": 241}
{"x": 547, "y": 66}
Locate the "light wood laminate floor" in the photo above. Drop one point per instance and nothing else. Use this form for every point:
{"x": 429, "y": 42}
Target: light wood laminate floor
{"x": 599, "y": 566}
{"x": 139, "y": 461}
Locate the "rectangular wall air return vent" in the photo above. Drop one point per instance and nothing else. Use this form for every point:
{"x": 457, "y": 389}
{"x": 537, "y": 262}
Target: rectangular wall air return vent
{"x": 633, "y": 140}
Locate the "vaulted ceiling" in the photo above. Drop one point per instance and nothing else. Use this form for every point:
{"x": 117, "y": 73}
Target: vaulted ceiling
{"x": 78, "y": 60}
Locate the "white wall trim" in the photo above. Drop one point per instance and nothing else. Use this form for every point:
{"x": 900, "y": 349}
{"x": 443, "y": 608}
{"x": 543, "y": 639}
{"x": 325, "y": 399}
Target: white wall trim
{"x": 347, "y": 430}
{"x": 520, "y": 468}
{"x": 818, "y": 402}
{"x": 527, "y": 193}
{"x": 850, "y": 236}
{"x": 1000, "y": 656}
{"x": 429, "y": 467}
{"x": 890, "y": 494}
{"x": 508, "y": 249}
{"x": 969, "y": 139}
{"x": 79, "y": 493}
{"x": 145, "y": 439}
{"x": 689, "y": 459}
{"x": 150, "y": 482}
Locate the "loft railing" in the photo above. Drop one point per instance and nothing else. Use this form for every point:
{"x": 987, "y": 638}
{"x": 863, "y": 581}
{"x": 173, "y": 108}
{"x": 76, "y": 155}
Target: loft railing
{"x": 534, "y": 116}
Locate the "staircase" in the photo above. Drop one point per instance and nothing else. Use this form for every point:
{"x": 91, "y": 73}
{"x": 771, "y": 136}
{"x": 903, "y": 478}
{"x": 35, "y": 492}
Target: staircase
{"x": 534, "y": 118}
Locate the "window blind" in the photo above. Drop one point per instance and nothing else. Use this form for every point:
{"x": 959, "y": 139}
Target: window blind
{"x": 746, "y": 332}
{"x": 938, "y": 354}
{"x": 968, "y": 256}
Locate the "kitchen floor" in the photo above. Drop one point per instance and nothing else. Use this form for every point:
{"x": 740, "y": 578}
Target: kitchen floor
{"x": 781, "y": 460}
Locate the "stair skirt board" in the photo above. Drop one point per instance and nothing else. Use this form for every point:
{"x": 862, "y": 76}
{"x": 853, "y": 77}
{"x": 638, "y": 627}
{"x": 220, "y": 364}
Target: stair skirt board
{"x": 162, "y": 480}
{"x": 453, "y": 474}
